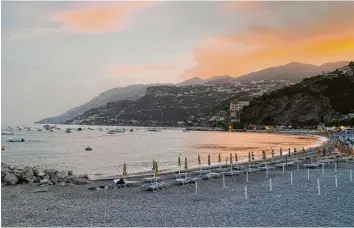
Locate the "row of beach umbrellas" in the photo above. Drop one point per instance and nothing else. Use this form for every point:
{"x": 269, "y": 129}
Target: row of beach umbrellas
{"x": 251, "y": 157}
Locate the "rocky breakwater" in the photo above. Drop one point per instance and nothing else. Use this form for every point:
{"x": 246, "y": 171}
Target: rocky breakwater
{"x": 44, "y": 178}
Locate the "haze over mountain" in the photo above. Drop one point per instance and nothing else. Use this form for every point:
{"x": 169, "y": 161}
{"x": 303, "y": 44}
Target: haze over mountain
{"x": 292, "y": 71}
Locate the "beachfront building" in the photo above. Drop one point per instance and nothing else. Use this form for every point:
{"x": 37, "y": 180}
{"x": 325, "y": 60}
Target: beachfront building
{"x": 236, "y": 107}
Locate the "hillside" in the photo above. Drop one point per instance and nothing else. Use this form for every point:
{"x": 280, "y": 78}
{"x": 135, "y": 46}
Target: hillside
{"x": 309, "y": 102}
{"x": 132, "y": 93}
{"x": 161, "y": 106}
{"x": 292, "y": 71}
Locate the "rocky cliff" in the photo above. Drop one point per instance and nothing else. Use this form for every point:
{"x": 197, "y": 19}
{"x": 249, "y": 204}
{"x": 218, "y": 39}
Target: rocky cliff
{"x": 309, "y": 102}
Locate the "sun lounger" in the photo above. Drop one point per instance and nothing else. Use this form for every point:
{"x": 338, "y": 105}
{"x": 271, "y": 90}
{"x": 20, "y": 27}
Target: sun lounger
{"x": 267, "y": 167}
{"x": 209, "y": 176}
{"x": 152, "y": 179}
{"x": 311, "y": 165}
{"x": 252, "y": 170}
{"x": 182, "y": 181}
{"x": 153, "y": 186}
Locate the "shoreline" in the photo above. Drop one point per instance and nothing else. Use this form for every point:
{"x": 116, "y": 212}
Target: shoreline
{"x": 321, "y": 140}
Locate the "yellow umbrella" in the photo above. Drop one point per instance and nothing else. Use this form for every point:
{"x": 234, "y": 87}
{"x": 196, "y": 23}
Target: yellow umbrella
{"x": 125, "y": 169}
{"x": 156, "y": 171}
{"x": 153, "y": 164}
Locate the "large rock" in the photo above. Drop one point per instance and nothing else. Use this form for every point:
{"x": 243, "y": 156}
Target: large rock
{"x": 70, "y": 173}
{"x": 36, "y": 171}
{"x": 61, "y": 176}
{"x": 27, "y": 174}
{"x": 51, "y": 172}
{"x": 11, "y": 179}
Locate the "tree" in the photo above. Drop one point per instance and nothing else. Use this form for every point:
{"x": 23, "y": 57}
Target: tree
{"x": 351, "y": 64}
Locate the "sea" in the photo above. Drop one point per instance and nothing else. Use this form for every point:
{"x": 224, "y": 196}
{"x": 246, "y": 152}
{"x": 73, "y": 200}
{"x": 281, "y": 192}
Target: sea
{"x": 66, "y": 151}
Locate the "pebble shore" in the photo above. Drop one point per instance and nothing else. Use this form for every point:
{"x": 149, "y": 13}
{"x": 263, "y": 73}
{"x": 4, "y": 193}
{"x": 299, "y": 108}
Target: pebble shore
{"x": 287, "y": 205}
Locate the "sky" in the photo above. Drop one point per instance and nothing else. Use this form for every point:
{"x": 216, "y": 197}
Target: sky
{"x": 58, "y": 55}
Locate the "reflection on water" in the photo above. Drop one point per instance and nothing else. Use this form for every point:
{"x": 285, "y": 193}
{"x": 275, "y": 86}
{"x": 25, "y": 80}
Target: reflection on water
{"x": 61, "y": 150}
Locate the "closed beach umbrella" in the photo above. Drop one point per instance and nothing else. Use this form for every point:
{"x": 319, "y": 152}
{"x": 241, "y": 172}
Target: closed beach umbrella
{"x": 289, "y": 154}
{"x": 264, "y": 155}
{"x": 236, "y": 158}
{"x": 199, "y": 162}
{"x": 219, "y": 161}
{"x": 281, "y": 152}
{"x": 231, "y": 161}
{"x": 249, "y": 157}
{"x": 153, "y": 164}
{"x": 295, "y": 151}
{"x": 209, "y": 161}
{"x": 156, "y": 169}
{"x": 303, "y": 152}
{"x": 179, "y": 165}
{"x": 185, "y": 164}
{"x": 124, "y": 169}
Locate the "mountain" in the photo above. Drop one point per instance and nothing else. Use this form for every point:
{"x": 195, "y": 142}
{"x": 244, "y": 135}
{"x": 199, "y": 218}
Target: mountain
{"x": 132, "y": 93}
{"x": 293, "y": 71}
{"x": 192, "y": 81}
{"x": 219, "y": 80}
{"x": 309, "y": 102}
{"x": 161, "y": 106}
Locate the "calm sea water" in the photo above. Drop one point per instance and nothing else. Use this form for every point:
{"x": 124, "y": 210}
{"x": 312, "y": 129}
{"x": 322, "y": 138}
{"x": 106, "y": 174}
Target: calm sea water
{"x": 64, "y": 151}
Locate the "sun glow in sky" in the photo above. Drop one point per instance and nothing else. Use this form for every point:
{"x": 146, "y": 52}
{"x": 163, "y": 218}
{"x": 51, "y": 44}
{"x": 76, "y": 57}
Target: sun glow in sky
{"x": 52, "y": 50}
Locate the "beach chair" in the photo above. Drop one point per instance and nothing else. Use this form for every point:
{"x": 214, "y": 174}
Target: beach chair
{"x": 152, "y": 179}
{"x": 182, "y": 181}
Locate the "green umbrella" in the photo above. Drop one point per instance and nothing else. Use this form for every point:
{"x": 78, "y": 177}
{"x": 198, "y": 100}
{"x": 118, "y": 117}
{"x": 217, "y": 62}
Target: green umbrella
{"x": 156, "y": 171}
{"x": 124, "y": 169}
{"x": 179, "y": 165}
{"x": 185, "y": 164}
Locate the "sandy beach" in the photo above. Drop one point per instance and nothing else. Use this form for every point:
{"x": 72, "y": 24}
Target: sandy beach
{"x": 287, "y": 205}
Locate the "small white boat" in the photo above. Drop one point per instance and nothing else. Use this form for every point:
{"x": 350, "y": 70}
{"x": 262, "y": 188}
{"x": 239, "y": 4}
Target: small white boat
{"x": 15, "y": 140}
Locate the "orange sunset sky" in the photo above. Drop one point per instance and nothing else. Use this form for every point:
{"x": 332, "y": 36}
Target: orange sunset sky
{"x": 50, "y": 47}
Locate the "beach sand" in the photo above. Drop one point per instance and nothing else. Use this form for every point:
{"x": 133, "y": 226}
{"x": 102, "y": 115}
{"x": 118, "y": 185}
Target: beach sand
{"x": 286, "y": 205}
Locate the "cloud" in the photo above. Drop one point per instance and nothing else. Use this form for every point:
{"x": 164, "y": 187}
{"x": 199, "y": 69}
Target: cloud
{"x": 102, "y": 17}
{"x": 329, "y": 36}
{"x": 133, "y": 69}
